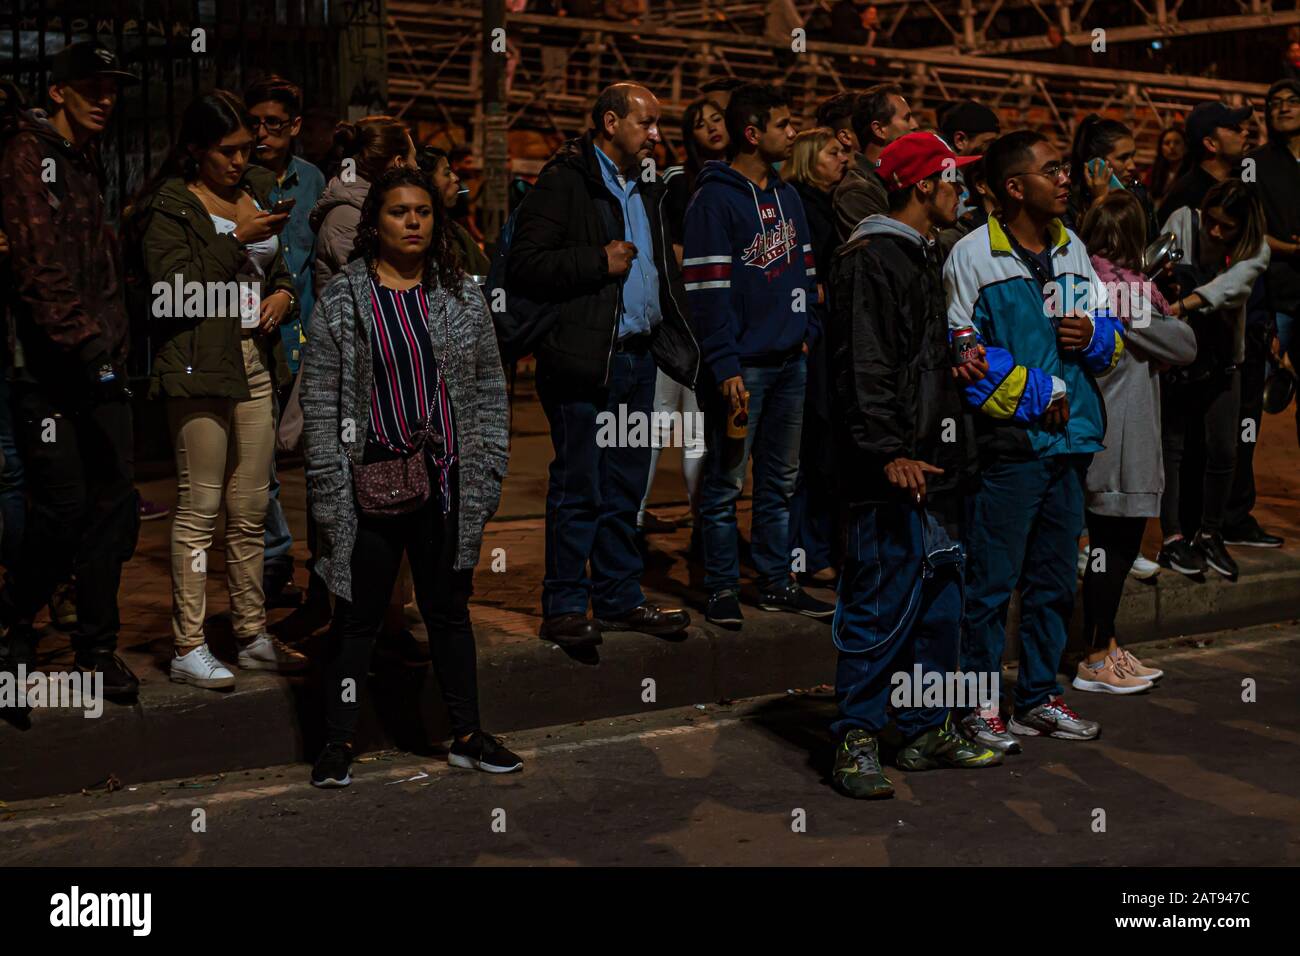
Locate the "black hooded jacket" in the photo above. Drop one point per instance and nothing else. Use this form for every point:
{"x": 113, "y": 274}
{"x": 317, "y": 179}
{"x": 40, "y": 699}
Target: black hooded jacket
{"x": 891, "y": 375}
{"x": 557, "y": 257}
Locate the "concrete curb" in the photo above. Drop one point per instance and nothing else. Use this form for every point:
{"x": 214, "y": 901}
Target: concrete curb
{"x": 179, "y": 731}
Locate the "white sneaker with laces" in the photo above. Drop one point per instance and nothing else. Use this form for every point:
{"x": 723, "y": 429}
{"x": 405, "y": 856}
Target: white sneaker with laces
{"x": 1143, "y": 568}
{"x": 265, "y": 653}
{"x": 201, "y": 669}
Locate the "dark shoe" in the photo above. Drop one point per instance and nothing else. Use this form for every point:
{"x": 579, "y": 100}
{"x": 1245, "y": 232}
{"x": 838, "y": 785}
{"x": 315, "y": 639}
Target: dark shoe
{"x": 310, "y": 616}
{"x": 401, "y": 647}
{"x": 724, "y": 610}
{"x": 281, "y": 592}
{"x": 1216, "y": 555}
{"x": 119, "y": 683}
{"x": 943, "y": 747}
{"x": 796, "y": 600}
{"x": 63, "y": 606}
{"x": 483, "y": 752}
{"x": 857, "y": 770}
{"x": 651, "y": 523}
{"x": 1182, "y": 557}
{"x": 570, "y": 630}
{"x": 1254, "y": 537}
{"x": 152, "y": 511}
{"x": 648, "y": 619}
{"x": 332, "y": 767}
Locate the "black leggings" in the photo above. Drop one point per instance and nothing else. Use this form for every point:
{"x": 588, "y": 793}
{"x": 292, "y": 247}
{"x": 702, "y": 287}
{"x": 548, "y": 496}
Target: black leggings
{"x": 442, "y": 594}
{"x": 1119, "y": 541}
{"x": 1202, "y": 415}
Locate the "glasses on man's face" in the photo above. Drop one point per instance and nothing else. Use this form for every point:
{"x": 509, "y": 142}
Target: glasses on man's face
{"x": 1284, "y": 102}
{"x": 273, "y": 126}
{"x": 1058, "y": 172}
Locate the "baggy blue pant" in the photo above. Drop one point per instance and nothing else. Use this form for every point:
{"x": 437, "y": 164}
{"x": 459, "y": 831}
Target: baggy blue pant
{"x": 900, "y": 604}
{"x": 1023, "y": 532}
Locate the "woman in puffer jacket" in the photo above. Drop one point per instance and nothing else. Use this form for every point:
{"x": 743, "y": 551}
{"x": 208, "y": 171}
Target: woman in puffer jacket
{"x": 1125, "y": 481}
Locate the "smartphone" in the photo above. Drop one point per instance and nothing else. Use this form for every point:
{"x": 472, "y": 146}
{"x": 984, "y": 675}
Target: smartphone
{"x": 284, "y": 205}
{"x": 1094, "y": 165}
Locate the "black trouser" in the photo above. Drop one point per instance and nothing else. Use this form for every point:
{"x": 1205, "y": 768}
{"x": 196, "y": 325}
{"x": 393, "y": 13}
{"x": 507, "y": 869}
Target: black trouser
{"x": 1241, "y": 500}
{"x": 429, "y": 540}
{"x": 1199, "y": 415}
{"x": 1118, "y": 540}
{"x": 83, "y": 510}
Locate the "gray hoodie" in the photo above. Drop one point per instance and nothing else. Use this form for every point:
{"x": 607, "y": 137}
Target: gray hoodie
{"x": 878, "y": 224}
{"x": 1127, "y": 477}
{"x": 334, "y": 219}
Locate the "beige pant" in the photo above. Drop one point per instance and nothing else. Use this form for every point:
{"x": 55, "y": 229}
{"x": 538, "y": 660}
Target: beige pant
{"x": 223, "y": 450}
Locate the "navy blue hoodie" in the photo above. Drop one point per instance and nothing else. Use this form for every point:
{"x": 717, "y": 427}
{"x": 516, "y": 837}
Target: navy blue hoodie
{"x": 751, "y": 284}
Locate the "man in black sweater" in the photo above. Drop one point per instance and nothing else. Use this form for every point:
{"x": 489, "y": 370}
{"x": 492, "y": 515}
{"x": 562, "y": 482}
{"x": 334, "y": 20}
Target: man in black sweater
{"x": 907, "y": 452}
{"x": 590, "y": 246}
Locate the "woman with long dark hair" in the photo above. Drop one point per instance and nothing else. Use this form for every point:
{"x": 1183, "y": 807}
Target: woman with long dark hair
{"x": 704, "y": 137}
{"x": 363, "y": 151}
{"x": 405, "y": 421}
{"x": 220, "y": 290}
{"x": 1224, "y": 253}
{"x": 1126, "y": 479}
{"x": 1172, "y": 160}
{"x": 1104, "y": 158}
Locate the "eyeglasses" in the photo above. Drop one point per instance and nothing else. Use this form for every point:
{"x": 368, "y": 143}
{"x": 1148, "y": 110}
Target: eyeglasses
{"x": 1055, "y": 171}
{"x": 273, "y": 126}
{"x": 1284, "y": 101}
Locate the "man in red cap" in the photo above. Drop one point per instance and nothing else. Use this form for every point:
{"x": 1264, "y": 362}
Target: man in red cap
{"x": 908, "y": 456}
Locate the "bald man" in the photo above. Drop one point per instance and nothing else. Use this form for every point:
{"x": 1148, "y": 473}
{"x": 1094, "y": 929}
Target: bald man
{"x": 590, "y": 256}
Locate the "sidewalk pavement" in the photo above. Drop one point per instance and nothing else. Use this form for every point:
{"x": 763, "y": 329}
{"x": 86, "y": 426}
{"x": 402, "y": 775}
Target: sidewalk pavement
{"x": 177, "y": 730}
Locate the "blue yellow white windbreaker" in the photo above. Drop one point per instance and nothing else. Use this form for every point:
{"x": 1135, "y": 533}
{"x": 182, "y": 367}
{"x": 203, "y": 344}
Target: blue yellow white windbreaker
{"x": 991, "y": 288}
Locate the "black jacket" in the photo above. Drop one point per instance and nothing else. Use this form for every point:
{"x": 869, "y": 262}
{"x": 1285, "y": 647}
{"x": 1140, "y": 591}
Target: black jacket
{"x": 894, "y": 394}
{"x": 557, "y": 256}
{"x": 1278, "y": 176}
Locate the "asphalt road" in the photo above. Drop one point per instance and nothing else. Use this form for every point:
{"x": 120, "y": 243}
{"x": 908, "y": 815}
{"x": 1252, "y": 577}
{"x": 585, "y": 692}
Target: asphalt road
{"x": 1188, "y": 774}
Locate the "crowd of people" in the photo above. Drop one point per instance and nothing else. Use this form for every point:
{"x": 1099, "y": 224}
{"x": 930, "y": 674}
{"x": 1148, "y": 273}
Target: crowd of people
{"x": 946, "y": 352}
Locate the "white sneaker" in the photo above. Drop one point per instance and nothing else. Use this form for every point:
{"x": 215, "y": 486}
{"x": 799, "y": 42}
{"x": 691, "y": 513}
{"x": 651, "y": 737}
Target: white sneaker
{"x": 201, "y": 669}
{"x": 1143, "y": 568}
{"x": 265, "y": 653}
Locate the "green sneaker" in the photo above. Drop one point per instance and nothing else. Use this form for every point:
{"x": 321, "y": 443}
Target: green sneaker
{"x": 857, "y": 770}
{"x": 942, "y": 746}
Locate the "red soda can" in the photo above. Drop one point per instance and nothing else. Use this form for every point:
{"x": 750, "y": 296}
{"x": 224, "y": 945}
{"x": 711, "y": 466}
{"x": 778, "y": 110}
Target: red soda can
{"x": 965, "y": 346}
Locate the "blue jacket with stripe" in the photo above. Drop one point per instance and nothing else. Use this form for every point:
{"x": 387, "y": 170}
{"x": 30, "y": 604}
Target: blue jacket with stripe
{"x": 990, "y": 288}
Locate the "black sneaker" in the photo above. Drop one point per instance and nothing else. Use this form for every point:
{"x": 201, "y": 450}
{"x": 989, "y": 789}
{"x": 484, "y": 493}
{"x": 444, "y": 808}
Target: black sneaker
{"x": 1180, "y": 555}
{"x": 1254, "y": 537}
{"x": 119, "y": 683}
{"x": 1216, "y": 555}
{"x": 332, "y": 767}
{"x": 857, "y": 772}
{"x": 483, "y": 752}
{"x": 724, "y": 610}
{"x": 795, "y": 599}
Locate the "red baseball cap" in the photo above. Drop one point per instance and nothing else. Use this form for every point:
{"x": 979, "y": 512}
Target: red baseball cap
{"x": 916, "y": 156}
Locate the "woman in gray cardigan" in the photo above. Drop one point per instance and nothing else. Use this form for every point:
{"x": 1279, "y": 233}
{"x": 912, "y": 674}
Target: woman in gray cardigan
{"x": 1126, "y": 479}
{"x": 403, "y": 361}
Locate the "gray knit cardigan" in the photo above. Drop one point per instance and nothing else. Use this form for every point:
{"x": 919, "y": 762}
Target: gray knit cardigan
{"x": 335, "y": 391}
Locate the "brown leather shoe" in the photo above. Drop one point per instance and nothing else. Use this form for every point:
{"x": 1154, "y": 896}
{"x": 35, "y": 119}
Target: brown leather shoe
{"x": 570, "y": 630}
{"x": 648, "y": 619}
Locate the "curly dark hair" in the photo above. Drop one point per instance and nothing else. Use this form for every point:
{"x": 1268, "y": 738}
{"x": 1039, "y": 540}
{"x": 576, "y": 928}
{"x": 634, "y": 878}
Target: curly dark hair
{"x": 442, "y": 265}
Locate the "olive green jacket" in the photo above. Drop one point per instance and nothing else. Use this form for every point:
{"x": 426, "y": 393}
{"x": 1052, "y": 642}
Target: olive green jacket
{"x": 201, "y": 356}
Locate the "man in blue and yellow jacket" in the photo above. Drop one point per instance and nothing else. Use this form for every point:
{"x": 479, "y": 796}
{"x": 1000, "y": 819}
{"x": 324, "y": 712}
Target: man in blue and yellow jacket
{"x": 1023, "y": 281}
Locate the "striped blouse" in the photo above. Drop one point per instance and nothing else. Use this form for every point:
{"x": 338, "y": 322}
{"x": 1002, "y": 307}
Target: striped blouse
{"x": 407, "y": 388}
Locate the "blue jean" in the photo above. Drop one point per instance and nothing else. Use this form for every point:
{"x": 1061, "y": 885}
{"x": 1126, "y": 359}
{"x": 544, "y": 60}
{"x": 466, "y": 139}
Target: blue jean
{"x": 12, "y": 504}
{"x": 812, "y": 519}
{"x": 1023, "y": 531}
{"x": 1288, "y": 336}
{"x": 776, "y": 396}
{"x": 900, "y": 604}
{"x": 594, "y": 492}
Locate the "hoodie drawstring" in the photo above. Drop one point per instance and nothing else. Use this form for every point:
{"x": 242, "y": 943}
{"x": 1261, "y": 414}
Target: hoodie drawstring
{"x": 759, "y": 212}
